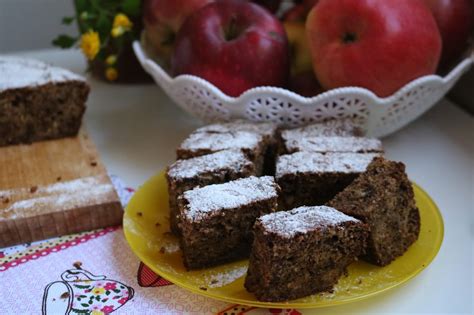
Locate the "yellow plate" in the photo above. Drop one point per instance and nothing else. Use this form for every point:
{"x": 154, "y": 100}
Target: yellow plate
{"x": 146, "y": 224}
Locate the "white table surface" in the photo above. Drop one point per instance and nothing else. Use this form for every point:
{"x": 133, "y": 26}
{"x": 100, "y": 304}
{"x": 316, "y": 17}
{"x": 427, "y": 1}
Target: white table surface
{"x": 136, "y": 129}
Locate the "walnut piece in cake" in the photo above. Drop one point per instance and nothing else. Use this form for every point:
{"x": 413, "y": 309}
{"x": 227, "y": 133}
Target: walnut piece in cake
{"x": 309, "y": 179}
{"x": 214, "y": 168}
{"x": 383, "y": 198}
{"x": 216, "y": 221}
{"x": 303, "y": 251}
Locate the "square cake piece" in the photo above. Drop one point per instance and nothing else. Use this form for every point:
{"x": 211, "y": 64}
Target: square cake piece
{"x": 303, "y": 251}
{"x": 267, "y": 130}
{"x": 216, "y": 221}
{"x": 310, "y": 179}
{"x": 331, "y": 144}
{"x": 253, "y": 145}
{"x": 214, "y": 168}
{"x": 331, "y": 128}
{"x": 383, "y": 198}
{"x": 39, "y": 101}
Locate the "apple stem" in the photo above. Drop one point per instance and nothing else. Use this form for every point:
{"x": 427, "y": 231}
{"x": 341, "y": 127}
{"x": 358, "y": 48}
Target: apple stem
{"x": 349, "y": 38}
{"x": 232, "y": 30}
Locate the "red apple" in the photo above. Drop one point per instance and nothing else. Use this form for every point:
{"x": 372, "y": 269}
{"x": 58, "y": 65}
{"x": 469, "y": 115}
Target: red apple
{"x": 162, "y": 20}
{"x": 455, "y": 19}
{"x": 299, "y": 12}
{"x": 271, "y": 5}
{"x": 377, "y": 44}
{"x": 234, "y": 44}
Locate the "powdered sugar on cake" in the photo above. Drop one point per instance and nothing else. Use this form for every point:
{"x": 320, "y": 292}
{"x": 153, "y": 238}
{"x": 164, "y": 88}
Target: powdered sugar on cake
{"x": 229, "y": 195}
{"x": 21, "y": 72}
{"x": 221, "y": 141}
{"x": 334, "y": 144}
{"x": 331, "y": 128}
{"x": 320, "y": 163}
{"x": 266, "y": 129}
{"x": 302, "y": 220}
{"x": 226, "y": 159}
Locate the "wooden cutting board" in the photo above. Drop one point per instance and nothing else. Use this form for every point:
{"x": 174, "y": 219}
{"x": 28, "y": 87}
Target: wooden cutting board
{"x": 53, "y": 188}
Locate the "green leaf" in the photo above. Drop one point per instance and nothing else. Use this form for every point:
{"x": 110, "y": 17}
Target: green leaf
{"x": 67, "y": 20}
{"x": 65, "y": 41}
{"x": 81, "y": 286}
{"x": 82, "y": 5}
{"x": 104, "y": 25}
{"x": 131, "y": 7}
{"x": 84, "y": 304}
{"x": 78, "y": 311}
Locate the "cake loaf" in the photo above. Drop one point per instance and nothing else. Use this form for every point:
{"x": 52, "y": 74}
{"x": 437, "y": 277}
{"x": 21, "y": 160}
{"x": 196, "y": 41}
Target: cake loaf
{"x": 39, "y": 101}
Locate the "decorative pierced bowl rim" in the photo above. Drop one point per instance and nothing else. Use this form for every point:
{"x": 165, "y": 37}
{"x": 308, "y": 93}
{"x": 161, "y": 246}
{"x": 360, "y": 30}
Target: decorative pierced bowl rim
{"x": 148, "y": 62}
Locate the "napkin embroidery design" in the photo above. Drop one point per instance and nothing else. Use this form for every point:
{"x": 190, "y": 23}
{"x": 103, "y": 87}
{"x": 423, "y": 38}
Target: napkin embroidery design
{"x": 81, "y": 292}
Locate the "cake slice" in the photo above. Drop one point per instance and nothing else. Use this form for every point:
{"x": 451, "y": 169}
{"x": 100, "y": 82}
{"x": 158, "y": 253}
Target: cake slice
{"x": 39, "y": 101}
{"x": 383, "y": 198}
{"x": 200, "y": 143}
{"x": 264, "y": 129}
{"x": 303, "y": 251}
{"x": 331, "y": 128}
{"x": 267, "y": 130}
{"x": 216, "y": 221}
{"x": 310, "y": 179}
{"x": 332, "y": 144}
{"x": 214, "y": 168}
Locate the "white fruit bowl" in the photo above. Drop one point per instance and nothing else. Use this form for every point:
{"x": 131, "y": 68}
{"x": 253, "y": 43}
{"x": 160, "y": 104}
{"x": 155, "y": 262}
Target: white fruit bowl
{"x": 377, "y": 116}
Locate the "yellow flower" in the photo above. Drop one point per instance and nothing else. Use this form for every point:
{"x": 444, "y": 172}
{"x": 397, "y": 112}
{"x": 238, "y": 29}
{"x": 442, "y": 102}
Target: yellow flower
{"x": 96, "y": 312}
{"x": 111, "y": 74}
{"x": 90, "y": 44}
{"x": 98, "y": 290}
{"x": 121, "y": 25}
{"x": 111, "y": 60}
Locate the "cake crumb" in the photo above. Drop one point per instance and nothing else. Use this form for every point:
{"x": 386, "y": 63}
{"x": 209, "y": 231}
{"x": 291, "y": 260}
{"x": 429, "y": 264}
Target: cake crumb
{"x": 140, "y": 214}
{"x": 93, "y": 163}
{"x": 6, "y": 200}
{"x": 360, "y": 281}
{"x": 157, "y": 224}
{"x": 203, "y": 288}
{"x": 65, "y": 295}
{"x": 214, "y": 281}
{"x": 162, "y": 250}
{"x": 33, "y": 189}
{"x": 77, "y": 265}
{"x": 58, "y": 179}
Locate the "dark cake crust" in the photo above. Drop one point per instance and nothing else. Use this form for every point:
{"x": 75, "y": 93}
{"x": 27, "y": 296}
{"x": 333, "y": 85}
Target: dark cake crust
{"x": 383, "y": 198}
{"x": 48, "y": 111}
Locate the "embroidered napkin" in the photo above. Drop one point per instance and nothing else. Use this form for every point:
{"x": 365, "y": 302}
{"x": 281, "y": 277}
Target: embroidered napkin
{"x": 96, "y": 273}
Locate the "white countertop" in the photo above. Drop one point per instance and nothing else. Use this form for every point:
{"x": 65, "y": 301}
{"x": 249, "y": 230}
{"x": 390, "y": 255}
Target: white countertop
{"x": 136, "y": 129}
